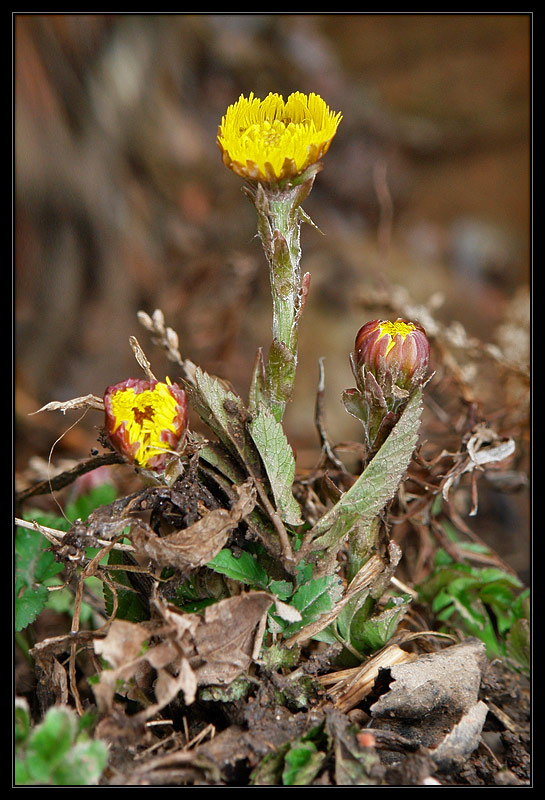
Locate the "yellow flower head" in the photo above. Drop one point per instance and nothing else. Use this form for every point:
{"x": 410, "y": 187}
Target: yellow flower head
{"x": 146, "y": 420}
{"x": 271, "y": 140}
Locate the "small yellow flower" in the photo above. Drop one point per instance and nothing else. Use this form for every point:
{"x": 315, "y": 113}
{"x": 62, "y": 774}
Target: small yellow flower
{"x": 271, "y": 140}
{"x": 146, "y": 420}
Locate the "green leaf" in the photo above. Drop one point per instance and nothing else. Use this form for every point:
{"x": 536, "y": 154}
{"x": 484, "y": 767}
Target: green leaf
{"x": 517, "y": 645}
{"x": 224, "y": 413}
{"x": 34, "y": 562}
{"x": 326, "y": 635}
{"x": 269, "y": 771}
{"x": 369, "y": 635}
{"x": 34, "y": 565}
{"x": 294, "y": 763}
{"x": 244, "y": 568}
{"x": 49, "y": 742}
{"x": 317, "y": 594}
{"x": 485, "y": 602}
{"x": 359, "y": 606}
{"x": 82, "y": 765}
{"x": 281, "y": 589}
{"x": 101, "y": 495}
{"x": 22, "y": 721}
{"x": 22, "y": 776}
{"x": 59, "y": 752}
{"x": 279, "y": 462}
{"x": 315, "y": 598}
{"x": 29, "y": 603}
{"x": 302, "y": 763}
{"x": 377, "y": 484}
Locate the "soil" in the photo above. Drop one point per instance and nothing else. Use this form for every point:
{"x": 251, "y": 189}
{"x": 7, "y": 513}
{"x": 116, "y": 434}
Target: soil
{"x": 215, "y": 742}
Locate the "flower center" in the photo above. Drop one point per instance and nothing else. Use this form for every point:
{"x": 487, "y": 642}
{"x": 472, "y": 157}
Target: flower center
{"x": 141, "y": 414}
{"x": 393, "y": 329}
{"x": 147, "y": 416}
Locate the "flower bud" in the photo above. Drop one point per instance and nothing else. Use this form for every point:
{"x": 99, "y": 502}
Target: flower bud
{"x": 396, "y": 353}
{"x": 146, "y": 421}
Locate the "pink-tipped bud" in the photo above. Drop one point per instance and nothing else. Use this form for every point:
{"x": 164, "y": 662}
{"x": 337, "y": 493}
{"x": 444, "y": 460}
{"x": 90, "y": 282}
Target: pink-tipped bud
{"x": 399, "y": 349}
{"x": 146, "y": 421}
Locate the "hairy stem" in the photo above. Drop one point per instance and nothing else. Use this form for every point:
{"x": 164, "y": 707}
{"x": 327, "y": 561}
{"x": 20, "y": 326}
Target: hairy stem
{"x": 279, "y": 224}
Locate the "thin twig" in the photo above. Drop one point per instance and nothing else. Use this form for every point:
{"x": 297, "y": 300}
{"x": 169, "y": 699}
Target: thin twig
{"x": 54, "y": 535}
{"x": 67, "y": 477}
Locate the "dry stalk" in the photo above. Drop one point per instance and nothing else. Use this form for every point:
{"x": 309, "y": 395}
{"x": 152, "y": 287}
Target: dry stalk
{"x": 348, "y": 687}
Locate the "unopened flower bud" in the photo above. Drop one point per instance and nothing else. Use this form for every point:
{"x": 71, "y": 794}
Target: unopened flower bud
{"x": 396, "y": 353}
{"x": 146, "y": 421}
{"x": 389, "y": 362}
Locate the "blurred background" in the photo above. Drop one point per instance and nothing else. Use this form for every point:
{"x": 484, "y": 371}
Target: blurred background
{"x": 122, "y": 203}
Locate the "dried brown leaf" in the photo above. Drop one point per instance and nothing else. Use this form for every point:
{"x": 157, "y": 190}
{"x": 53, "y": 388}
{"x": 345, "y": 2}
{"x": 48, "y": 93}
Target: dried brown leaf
{"x": 125, "y": 649}
{"x": 187, "y": 650}
{"x": 89, "y": 401}
{"x": 230, "y": 637}
{"x": 196, "y": 545}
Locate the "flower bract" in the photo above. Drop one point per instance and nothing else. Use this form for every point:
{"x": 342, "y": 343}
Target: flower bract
{"x": 146, "y": 421}
{"x": 272, "y": 140}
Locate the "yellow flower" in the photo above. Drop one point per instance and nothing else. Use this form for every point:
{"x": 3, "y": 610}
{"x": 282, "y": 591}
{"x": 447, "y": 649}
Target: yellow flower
{"x": 146, "y": 420}
{"x": 271, "y": 140}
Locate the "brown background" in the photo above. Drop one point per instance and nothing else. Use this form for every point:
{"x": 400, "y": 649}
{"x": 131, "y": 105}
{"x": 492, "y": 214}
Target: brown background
{"x": 122, "y": 203}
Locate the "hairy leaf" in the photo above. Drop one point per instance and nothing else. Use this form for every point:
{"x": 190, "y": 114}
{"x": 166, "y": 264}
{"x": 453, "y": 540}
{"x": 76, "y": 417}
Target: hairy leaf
{"x": 224, "y": 413}
{"x": 277, "y": 456}
{"x": 375, "y": 486}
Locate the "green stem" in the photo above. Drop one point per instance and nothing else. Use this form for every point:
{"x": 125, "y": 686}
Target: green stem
{"x": 23, "y": 646}
{"x": 284, "y": 264}
{"x": 363, "y": 542}
{"x": 279, "y": 224}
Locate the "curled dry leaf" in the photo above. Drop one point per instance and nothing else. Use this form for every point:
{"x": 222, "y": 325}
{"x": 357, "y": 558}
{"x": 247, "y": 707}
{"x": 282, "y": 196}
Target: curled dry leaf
{"x": 230, "y": 637}
{"x": 485, "y": 449}
{"x": 196, "y": 545}
{"x": 185, "y": 650}
{"x": 49, "y": 656}
{"x": 125, "y": 648}
{"x": 89, "y": 401}
{"x": 348, "y": 687}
